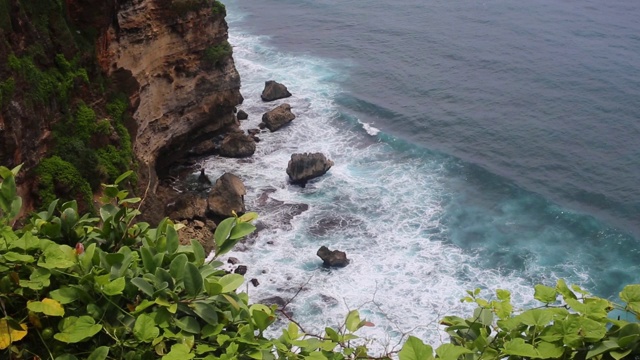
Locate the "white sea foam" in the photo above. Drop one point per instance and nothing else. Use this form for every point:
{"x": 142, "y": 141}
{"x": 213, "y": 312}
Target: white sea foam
{"x": 370, "y": 129}
{"x": 380, "y": 206}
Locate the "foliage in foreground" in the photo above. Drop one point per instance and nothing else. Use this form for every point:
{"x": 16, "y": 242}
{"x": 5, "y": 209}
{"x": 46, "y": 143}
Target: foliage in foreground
{"x": 79, "y": 287}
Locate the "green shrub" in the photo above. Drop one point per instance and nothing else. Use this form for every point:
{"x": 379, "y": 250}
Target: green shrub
{"x": 218, "y": 8}
{"x": 183, "y": 7}
{"x": 213, "y": 55}
{"x": 57, "y": 178}
{"x": 7, "y": 88}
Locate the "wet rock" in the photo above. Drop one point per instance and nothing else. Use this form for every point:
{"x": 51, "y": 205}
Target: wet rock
{"x": 233, "y": 260}
{"x": 242, "y": 115}
{"x": 255, "y": 282}
{"x": 331, "y": 224}
{"x": 307, "y": 166}
{"x": 241, "y": 269}
{"x": 237, "y": 145}
{"x": 187, "y": 206}
{"x": 273, "y": 91}
{"x": 277, "y": 300}
{"x": 227, "y": 195}
{"x": 207, "y": 147}
{"x": 277, "y": 118}
{"x": 335, "y": 258}
{"x": 203, "y": 178}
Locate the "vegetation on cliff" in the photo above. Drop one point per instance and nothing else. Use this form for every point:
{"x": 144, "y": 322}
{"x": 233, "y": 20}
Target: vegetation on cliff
{"x": 74, "y": 286}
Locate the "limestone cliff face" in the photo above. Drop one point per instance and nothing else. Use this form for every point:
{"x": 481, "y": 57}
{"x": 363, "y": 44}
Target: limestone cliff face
{"x": 181, "y": 99}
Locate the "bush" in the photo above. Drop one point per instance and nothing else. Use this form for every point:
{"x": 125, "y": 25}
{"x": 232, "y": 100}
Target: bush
{"x": 57, "y": 177}
{"x": 218, "y": 8}
{"x": 213, "y": 55}
{"x": 183, "y": 7}
{"x": 7, "y": 88}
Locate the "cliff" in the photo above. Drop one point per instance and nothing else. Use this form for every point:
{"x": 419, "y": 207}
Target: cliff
{"x": 90, "y": 88}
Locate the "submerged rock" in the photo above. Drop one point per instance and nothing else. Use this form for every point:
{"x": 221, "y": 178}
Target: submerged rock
{"x": 242, "y": 115}
{"x": 227, "y": 195}
{"x": 277, "y": 118}
{"x": 304, "y": 167}
{"x": 274, "y": 91}
{"x": 335, "y": 258}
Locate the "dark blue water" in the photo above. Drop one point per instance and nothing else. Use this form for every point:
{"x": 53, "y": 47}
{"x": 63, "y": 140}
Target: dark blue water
{"x": 489, "y": 143}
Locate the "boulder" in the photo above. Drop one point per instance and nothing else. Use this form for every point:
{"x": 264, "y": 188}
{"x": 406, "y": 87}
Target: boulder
{"x": 188, "y": 206}
{"x": 255, "y": 282}
{"x": 242, "y": 115}
{"x": 206, "y": 147}
{"x": 274, "y": 91}
{"x": 304, "y": 167}
{"x": 241, "y": 269}
{"x": 335, "y": 258}
{"x": 277, "y": 118}
{"x": 237, "y": 145}
{"x": 227, "y": 195}
{"x": 232, "y": 260}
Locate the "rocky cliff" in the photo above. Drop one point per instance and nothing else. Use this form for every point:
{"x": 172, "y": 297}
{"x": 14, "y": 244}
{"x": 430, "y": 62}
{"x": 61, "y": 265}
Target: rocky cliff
{"x": 62, "y": 64}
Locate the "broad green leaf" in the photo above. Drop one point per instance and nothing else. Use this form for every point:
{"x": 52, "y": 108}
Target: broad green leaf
{"x": 66, "y": 357}
{"x": 179, "y": 352}
{"x": 15, "y": 257}
{"x": 172, "y": 240}
{"x": 601, "y": 348}
{"x": 332, "y": 334}
{"x": 145, "y": 328}
{"x": 147, "y": 260}
{"x": 415, "y": 349}
{"x": 353, "y": 320}
{"x": 46, "y": 306}
{"x": 518, "y": 347}
{"x": 248, "y": 217}
{"x": 176, "y": 268}
{"x": 143, "y": 285}
{"x": 451, "y": 352}
{"x": 316, "y": 355}
{"x": 123, "y": 176}
{"x": 483, "y": 316}
{"x": 503, "y": 295}
{"x": 64, "y": 295}
{"x": 207, "y": 312}
{"x": 114, "y": 287}
{"x": 550, "y": 350}
{"x": 198, "y": 252}
{"x": 192, "y": 280}
{"x": 99, "y": 353}
{"x": 230, "y": 282}
{"x": 631, "y": 295}
{"x": 223, "y": 230}
{"x": 241, "y": 230}
{"x": 188, "y": 324}
{"x": 566, "y": 293}
{"x": 545, "y": 294}
{"x": 212, "y": 287}
{"x": 536, "y": 317}
{"x": 75, "y": 329}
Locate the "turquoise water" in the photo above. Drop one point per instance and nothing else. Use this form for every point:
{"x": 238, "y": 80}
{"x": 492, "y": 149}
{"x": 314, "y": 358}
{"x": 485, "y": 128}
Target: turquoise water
{"x": 476, "y": 144}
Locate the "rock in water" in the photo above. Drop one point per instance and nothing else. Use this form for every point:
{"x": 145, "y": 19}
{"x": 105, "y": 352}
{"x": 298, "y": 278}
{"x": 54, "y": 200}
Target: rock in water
{"x": 242, "y": 115}
{"x": 237, "y": 145}
{"x": 304, "y": 167}
{"x": 227, "y": 195}
{"x": 277, "y": 118}
{"x": 274, "y": 91}
{"x": 334, "y": 258}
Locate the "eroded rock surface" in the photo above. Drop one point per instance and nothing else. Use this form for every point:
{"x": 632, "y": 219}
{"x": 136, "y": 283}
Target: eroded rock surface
{"x": 273, "y": 91}
{"x": 335, "y": 258}
{"x": 227, "y": 195}
{"x": 277, "y": 118}
{"x": 307, "y": 166}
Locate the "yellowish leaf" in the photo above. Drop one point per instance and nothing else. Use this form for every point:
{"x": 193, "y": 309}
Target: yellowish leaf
{"x": 9, "y": 335}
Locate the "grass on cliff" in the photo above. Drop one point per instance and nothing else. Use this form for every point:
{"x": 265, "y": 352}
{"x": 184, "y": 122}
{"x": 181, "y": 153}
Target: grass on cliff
{"x": 214, "y": 55}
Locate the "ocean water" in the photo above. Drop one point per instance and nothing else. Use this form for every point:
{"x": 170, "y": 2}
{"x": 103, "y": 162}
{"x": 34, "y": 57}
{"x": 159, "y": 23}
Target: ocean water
{"x": 491, "y": 144}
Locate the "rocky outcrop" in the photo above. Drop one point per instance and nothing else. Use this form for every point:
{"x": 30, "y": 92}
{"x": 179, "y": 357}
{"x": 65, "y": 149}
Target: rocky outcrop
{"x": 237, "y": 145}
{"x": 181, "y": 97}
{"x": 274, "y": 91}
{"x": 335, "y": 258}
{"x": 242, "y": 115}
{"x": 277, "y": 118}
{"x": 227, "y": 195}
{"x": 304, "y": 167}
{"x": 188, "y": 207}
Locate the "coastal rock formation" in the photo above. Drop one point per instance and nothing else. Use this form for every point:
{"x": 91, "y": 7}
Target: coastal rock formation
{"x": 227, "y": 195}
{"x": 237, "y": 145}
{"x": 277, "y": 118}
{"x": 183, "y": 95}
{"x": 335, "y": 258}
{"x": 202, "y": 231}
{"x": 242, "y": 115}
{"x": 304, "y": 167}
{"x": 188, "y": 207}
{"x": 274, "y": 91}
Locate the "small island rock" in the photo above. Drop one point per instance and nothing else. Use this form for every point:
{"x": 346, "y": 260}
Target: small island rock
{"x": 277, "y": 118}
{"x": 335, "y": 258}
{"x": 237, "y": 145}
{"x": 242, "y": 115}
{"x": 304, "y": 167}
{"x": 274, "y": 91}
{"x": 227, "y": 195}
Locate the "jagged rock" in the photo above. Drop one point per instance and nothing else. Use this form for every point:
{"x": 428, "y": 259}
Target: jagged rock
{"x": 241, "y": 269}
{"x": 253, "y": 132}
{"x": 304, "y": 167}
{"x": 255, "y": 282}
{"x": 203, "y": 178}
{"x": 206, "y": 147}
{"x": 277, "y": 118}
{"x": 188, "y": 206}
{"x": 334, "y": 258}
{"x": 237, "y": 145}
{"x": 277, "y": 300}
{"x": 227, "y": 195}
{"x": 242, "y": 115}
{"x": 203, "y": 234}
{"x": 232, "y": 260}
{"x": 274, "y": 91}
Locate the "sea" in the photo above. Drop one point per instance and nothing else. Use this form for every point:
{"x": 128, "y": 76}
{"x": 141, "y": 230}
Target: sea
{"x": 490, "y": 144}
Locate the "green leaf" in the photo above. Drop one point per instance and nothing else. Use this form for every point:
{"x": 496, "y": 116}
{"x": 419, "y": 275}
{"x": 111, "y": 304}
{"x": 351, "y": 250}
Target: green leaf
{"x": 198, "y": 252}
{"x": 248, "y": 217}
{"x": 99, "y": 353}
{"x": 15, "y": 257}
{"x": 176, "y": 268}
{"x": 188, "y": 324}
{"x": 46, "y": 306}
{"x": 566, "y": 293}
{"x": 550, "y": 350}
{"x": 64, "y": 295}
{"x": 240, "y": 230}
{"x": 415, "y": 349}
{"x": 230, "y": 282}
{"x": 545, "y": 294}
{"x": 145, "y": 329}
{"x": 631, "y": 295}
{"x": 114, "y": 287}
{"x": 601, "y": 348}
{"x": 76, "y": 329}
{"x": 620, "y": 354}
{"x": 223, "y": 230}
{"x": 147, "y": 260}
{"x": 207, "y": 312}
{"x": 536, "y": 317}
{"x": 451, "y": 352}
{"x": 192, "y": 280}
{"x": 179, "y": 352}
{"x": 519, "y": 348}
{"x": 123, "y": 176}
{"x": 332, "y": 334}
{"x": 173, "y": 241}
{"x": 66, "y": 357}
{"x": 353, "y": 320}
{"x": 143, "y": 285}
{"x": 483, "y": 316}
